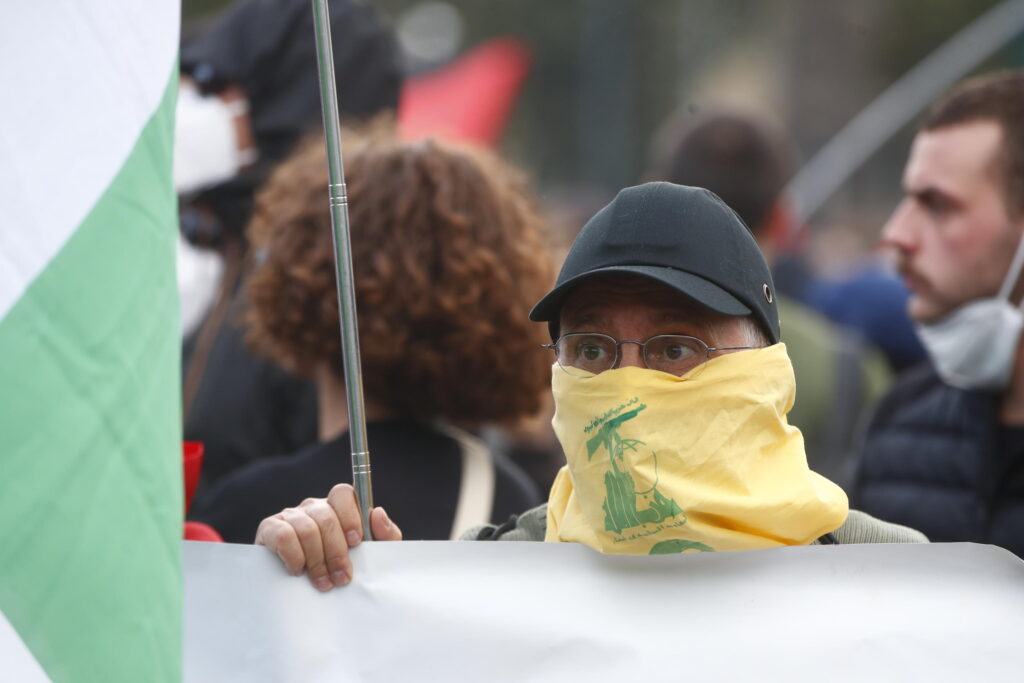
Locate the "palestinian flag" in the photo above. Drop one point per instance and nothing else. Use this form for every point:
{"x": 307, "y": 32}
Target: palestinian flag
{"x": 90, "y": 423}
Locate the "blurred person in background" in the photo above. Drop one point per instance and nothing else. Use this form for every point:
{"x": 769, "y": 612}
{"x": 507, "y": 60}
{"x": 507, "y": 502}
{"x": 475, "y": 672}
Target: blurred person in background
{"x": 449, "y": 254}
{"x": 945, "y": 451}
{"x": 839, "y": 378}
{"x": 872, "y": 300}
{"x": 249, "y": 91}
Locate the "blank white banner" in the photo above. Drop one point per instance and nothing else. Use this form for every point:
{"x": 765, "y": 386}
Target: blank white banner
{"x": 465, "y": 611}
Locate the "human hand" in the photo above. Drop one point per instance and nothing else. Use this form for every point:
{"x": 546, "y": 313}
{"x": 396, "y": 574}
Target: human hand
{"x": 315, "y": 536}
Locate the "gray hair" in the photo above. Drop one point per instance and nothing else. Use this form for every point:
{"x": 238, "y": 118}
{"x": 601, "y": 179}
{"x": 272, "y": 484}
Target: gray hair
{"x": 753, "y": 335}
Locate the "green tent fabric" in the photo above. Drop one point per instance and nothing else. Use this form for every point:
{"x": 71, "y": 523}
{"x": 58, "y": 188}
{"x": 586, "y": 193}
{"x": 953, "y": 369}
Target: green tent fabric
{"x": 90, "y": 423}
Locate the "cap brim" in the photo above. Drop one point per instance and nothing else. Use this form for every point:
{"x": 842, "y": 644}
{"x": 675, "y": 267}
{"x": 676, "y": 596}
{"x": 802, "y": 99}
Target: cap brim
{"x": 689, "y": 285}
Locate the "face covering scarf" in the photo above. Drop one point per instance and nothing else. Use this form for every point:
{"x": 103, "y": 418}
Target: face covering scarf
{"x": 975, "y": 346}
{"x": 662, "y": 464}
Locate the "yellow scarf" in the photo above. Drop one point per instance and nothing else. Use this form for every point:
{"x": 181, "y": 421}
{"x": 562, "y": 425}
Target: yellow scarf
{"x": 664, "y": 464}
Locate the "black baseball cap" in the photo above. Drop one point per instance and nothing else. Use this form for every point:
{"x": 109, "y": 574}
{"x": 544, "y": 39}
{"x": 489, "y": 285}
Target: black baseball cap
{"x": 686, "y": 238}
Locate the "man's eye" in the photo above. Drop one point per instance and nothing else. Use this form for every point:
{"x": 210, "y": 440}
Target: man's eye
{"x": 678, "y": 352}
{"x": 591, "y": 352}
{"x": 675, "y": 352}
{"x": 936, "y": 204}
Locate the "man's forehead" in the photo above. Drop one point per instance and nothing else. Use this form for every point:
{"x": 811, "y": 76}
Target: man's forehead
{"x": 953, "y": 157}
{"x": 596, "y": 293}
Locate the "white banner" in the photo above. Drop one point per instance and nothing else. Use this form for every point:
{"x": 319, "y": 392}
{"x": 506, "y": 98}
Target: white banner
{"x": 464, "y": 611}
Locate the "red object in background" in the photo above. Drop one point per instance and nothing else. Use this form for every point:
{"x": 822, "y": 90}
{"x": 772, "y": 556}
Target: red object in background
{"x": 197, "y": 531}
{"x": 192, "y": 460}
{"x": 192, "y": 455}
{"x": 469, "y": 99}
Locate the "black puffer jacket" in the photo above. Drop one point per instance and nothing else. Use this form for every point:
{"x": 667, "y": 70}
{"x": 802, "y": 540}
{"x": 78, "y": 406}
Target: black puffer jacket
{"x": 935, "y": 458}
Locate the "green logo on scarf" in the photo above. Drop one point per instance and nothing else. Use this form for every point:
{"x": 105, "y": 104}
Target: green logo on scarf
{"x": 620, "y": 504}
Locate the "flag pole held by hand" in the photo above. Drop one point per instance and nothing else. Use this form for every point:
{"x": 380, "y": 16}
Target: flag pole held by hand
{"x": 343, "y": 263}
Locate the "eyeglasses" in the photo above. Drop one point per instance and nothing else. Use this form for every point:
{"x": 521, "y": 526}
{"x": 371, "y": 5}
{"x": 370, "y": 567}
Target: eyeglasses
{"x": 591, "y": 353}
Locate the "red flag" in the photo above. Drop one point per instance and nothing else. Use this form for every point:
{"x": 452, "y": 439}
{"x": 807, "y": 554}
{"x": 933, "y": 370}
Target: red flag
{"x": 469, "y": 99}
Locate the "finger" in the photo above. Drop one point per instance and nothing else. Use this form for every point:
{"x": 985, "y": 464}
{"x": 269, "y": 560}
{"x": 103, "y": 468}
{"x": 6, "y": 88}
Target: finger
{"x": 338, "y": 565}
{"x": 343, "y": 499}
{"x": 383, "y": 528}
{"x": 308, "y": 533}
{"x": 280, "y": 537}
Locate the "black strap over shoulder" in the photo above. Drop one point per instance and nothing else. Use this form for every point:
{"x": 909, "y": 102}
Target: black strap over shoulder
{"x": 828, "y": 539}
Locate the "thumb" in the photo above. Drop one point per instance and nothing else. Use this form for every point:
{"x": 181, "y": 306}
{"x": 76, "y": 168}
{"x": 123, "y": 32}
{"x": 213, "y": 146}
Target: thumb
{"x": 382, "y": 526}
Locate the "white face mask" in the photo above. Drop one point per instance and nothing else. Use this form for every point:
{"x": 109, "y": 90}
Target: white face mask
{"x": 205, "y": 144}
{"x": 975, "y": 346}
{"x": 199, "y": 275}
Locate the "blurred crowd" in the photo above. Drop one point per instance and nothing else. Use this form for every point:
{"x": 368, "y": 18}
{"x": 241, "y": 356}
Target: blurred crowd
{"x": 452, "y": 246}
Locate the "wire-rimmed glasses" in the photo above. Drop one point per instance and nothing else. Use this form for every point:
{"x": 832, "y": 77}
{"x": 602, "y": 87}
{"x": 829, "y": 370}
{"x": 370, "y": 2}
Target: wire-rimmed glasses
{"x": 590, "y": 353}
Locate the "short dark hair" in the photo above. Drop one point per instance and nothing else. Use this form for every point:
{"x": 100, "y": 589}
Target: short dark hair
{"x": 736, "y": 156}
{"x": 997, "y": 97}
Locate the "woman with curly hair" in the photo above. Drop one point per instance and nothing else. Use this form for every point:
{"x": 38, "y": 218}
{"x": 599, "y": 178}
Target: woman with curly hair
{"x": 448, "y": 256}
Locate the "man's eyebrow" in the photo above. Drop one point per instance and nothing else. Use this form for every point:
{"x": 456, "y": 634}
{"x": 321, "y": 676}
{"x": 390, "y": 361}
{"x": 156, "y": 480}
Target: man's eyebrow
{"x": 933, "y": 196}
{"x": 689, "y": 322}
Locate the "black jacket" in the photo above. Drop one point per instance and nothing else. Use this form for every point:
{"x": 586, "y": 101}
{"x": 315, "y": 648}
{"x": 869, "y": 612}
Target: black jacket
{"x": 936, "y": 458}
{"x": 416, "y": 478}
{"x": 246, "y": 407}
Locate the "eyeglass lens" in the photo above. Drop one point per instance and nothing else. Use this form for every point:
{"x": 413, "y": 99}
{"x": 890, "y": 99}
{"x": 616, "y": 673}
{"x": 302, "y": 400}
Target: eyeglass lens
{"x": 595, "y": 353}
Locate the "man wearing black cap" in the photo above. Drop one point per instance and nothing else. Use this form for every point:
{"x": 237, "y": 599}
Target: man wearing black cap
{"x": 671, "y": 391}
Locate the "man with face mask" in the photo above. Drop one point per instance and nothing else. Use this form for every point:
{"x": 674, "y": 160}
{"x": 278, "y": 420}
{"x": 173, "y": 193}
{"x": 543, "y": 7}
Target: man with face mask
{"x": 671, "y": 392}
{"x": 945, "y": 452}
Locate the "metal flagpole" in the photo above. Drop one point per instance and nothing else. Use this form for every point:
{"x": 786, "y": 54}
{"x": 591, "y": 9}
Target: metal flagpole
{"x": 343, "y": 264}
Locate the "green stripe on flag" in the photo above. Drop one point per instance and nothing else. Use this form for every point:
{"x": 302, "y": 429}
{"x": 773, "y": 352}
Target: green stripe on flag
{"x": 90, "y": 435}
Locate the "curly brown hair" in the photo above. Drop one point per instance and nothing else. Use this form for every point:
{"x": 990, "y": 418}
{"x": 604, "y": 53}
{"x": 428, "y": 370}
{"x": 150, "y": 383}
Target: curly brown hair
{"x": 448, "y": 253}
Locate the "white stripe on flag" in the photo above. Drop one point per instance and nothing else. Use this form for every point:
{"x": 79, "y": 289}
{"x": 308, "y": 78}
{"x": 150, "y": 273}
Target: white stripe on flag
{"x": 18, "y": 664}
{"x": 57, "y": 159}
